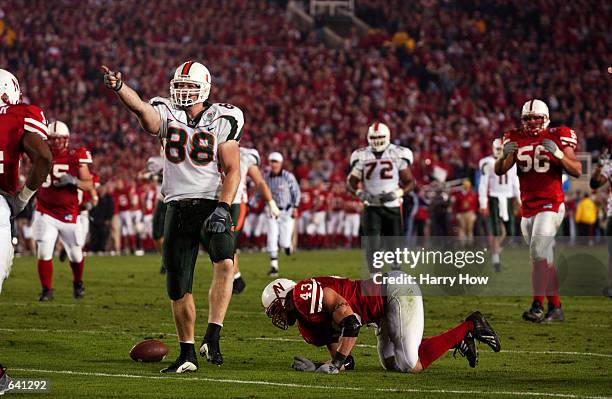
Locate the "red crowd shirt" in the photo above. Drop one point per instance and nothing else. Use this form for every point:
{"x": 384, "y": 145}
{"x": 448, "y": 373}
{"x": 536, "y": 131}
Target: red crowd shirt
{"x": 465, "y": 201}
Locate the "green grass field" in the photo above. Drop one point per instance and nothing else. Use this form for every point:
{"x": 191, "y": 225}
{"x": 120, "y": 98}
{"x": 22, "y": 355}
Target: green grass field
{"x": 82, "y": 347}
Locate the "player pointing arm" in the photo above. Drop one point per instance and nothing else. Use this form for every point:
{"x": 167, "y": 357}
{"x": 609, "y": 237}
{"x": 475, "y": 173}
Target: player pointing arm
{"x": 148, "y": 117}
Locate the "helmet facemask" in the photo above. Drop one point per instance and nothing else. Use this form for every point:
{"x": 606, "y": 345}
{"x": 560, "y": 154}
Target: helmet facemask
{"x": 535, "y": 116}
{"x": 186, "y": 92}
{"x": 534, "y": 123}
{"x": 277, "y": 312}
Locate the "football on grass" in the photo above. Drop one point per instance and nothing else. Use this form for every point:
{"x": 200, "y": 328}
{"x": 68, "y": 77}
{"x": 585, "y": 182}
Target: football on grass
{"x": 150, "y": 350}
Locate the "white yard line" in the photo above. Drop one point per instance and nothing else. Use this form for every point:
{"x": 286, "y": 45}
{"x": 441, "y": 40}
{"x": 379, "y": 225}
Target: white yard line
{"x": 306, "y": 386}
{"x": 274, "y": 339}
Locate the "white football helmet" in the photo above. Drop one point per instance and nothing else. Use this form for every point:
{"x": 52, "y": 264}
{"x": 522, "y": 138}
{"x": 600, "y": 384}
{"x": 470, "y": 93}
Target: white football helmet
{"x": 534, "y": 116}
{"x": 379, "y": 137}
{"x": 498, "y": 148}
{"x": 9, "y": 85}
{"x": 187, "y": 74}
{"x": 273, "y": 300}
{"x": 58, "y": 135}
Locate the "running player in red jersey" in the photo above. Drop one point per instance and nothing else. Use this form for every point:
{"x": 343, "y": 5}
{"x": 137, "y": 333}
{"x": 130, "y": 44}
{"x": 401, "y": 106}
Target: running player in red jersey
{"x": 23, "y": 129}
{"x": 542, "y": 154}
{"x": 57, "y": 210}
{"x": 331, "y": 310}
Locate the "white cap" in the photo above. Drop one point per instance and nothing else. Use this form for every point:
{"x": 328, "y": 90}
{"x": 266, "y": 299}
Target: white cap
{"x": 275, "y": 156}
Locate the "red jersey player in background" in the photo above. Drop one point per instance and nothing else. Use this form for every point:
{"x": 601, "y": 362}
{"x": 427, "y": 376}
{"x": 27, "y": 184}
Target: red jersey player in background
{"x": 23, "y": 129}
{"x": 331, "y": 310}
{"x": 541, "y": 154}
{"x": 58, "y": 208}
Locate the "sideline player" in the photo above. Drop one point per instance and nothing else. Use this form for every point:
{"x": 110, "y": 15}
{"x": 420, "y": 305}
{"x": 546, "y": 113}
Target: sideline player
{"x": 23, "y": 129}
{"x": 380, "y": 168}
{"x": 541, "y": 155}
{"x": 57, "y": 211}
{"x": 331, "y": 310}
{"x": 249, "y": 166}
{"x": 286, "y": 193}
{"x": 495, "y": 197}
{"x": 200, "y": 140}
{"x": 601, "y": 175}
{"x": 154, "y": 171}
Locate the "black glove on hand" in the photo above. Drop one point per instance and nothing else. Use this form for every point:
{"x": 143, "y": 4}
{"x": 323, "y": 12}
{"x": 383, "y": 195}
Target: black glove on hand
{"x": 217, "y": 221}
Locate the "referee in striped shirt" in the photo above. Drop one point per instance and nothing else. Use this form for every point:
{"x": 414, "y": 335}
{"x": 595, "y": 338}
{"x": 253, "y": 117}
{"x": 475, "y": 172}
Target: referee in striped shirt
{"x": 286, "y": 192}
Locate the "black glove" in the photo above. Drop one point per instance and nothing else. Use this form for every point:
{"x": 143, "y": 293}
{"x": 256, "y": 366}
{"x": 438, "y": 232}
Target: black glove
{"x": 217, "y": 221}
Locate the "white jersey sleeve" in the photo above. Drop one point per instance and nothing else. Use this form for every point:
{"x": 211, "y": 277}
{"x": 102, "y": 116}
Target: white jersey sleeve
{"x": 248, "y": 157}
{"x": 484, "y": 166}
{"x": 403, "y": 157}
{"x": 230, "y": 123}
{"x": 164, "y": 109}
{"x": 356, "y": 162}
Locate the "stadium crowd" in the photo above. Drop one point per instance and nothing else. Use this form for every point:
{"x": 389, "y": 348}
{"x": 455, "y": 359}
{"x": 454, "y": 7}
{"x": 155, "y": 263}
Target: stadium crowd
{"x": 447, "y": 77}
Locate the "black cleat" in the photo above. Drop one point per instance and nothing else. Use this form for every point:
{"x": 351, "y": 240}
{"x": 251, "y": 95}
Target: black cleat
{"x": 497, "y": 267}
{"x": 238, "y": 286}
{"x": 184, "y": 364}
{"x": 5, "y": 380}
{"x": 467, "y": 349}
{"x": 212, "y": 352}
{"x": 63, "y": 255}
{"x": 162, "y": 269}
{"x": 288, "y": 251}
{"x": 535, "y": 314}
{"x": 483, "y": 331}
{"x": 46, "y": 295}
{"x": 273, "y": 272}
{"x": 607, "y": 292}
{"x": 78, "y": 290}
{"x": 554, "y": 314}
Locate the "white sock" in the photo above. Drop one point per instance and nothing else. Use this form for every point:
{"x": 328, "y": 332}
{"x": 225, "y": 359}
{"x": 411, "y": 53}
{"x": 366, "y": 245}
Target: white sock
{"x": 274, "y": 264}
{"x": 237, "y": 276}
{"x": 188, "y": 342}
{"x": 495, "y": 258}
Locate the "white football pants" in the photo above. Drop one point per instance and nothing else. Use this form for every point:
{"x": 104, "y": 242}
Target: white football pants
{"x": 6, "y": 244}
{"x": 539, "y": 233}
{"x": 400, "y": 333}
{"x": 46, "y": 231}
{"x": 280, "y": 232}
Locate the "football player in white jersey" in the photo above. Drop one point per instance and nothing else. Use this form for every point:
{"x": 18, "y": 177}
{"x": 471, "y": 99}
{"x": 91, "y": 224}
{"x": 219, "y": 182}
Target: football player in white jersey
{"x": 495, "y": 197}
{"x": 200, "y": 142}
{"x": 154, "y": 171}
{"x": 601, "y": 176}
{"x": 383, "y": 170}
{"x": 249, "y": 166}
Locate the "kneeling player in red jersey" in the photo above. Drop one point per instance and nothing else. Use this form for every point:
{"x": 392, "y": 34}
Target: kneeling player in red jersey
{"x": 58, "y": 208}
{"x": 331, "y": 310}
{"x": 541, "y": 154}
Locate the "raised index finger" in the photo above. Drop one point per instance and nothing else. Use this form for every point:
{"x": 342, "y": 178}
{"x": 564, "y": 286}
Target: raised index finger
{"x": 104, "y": 68}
